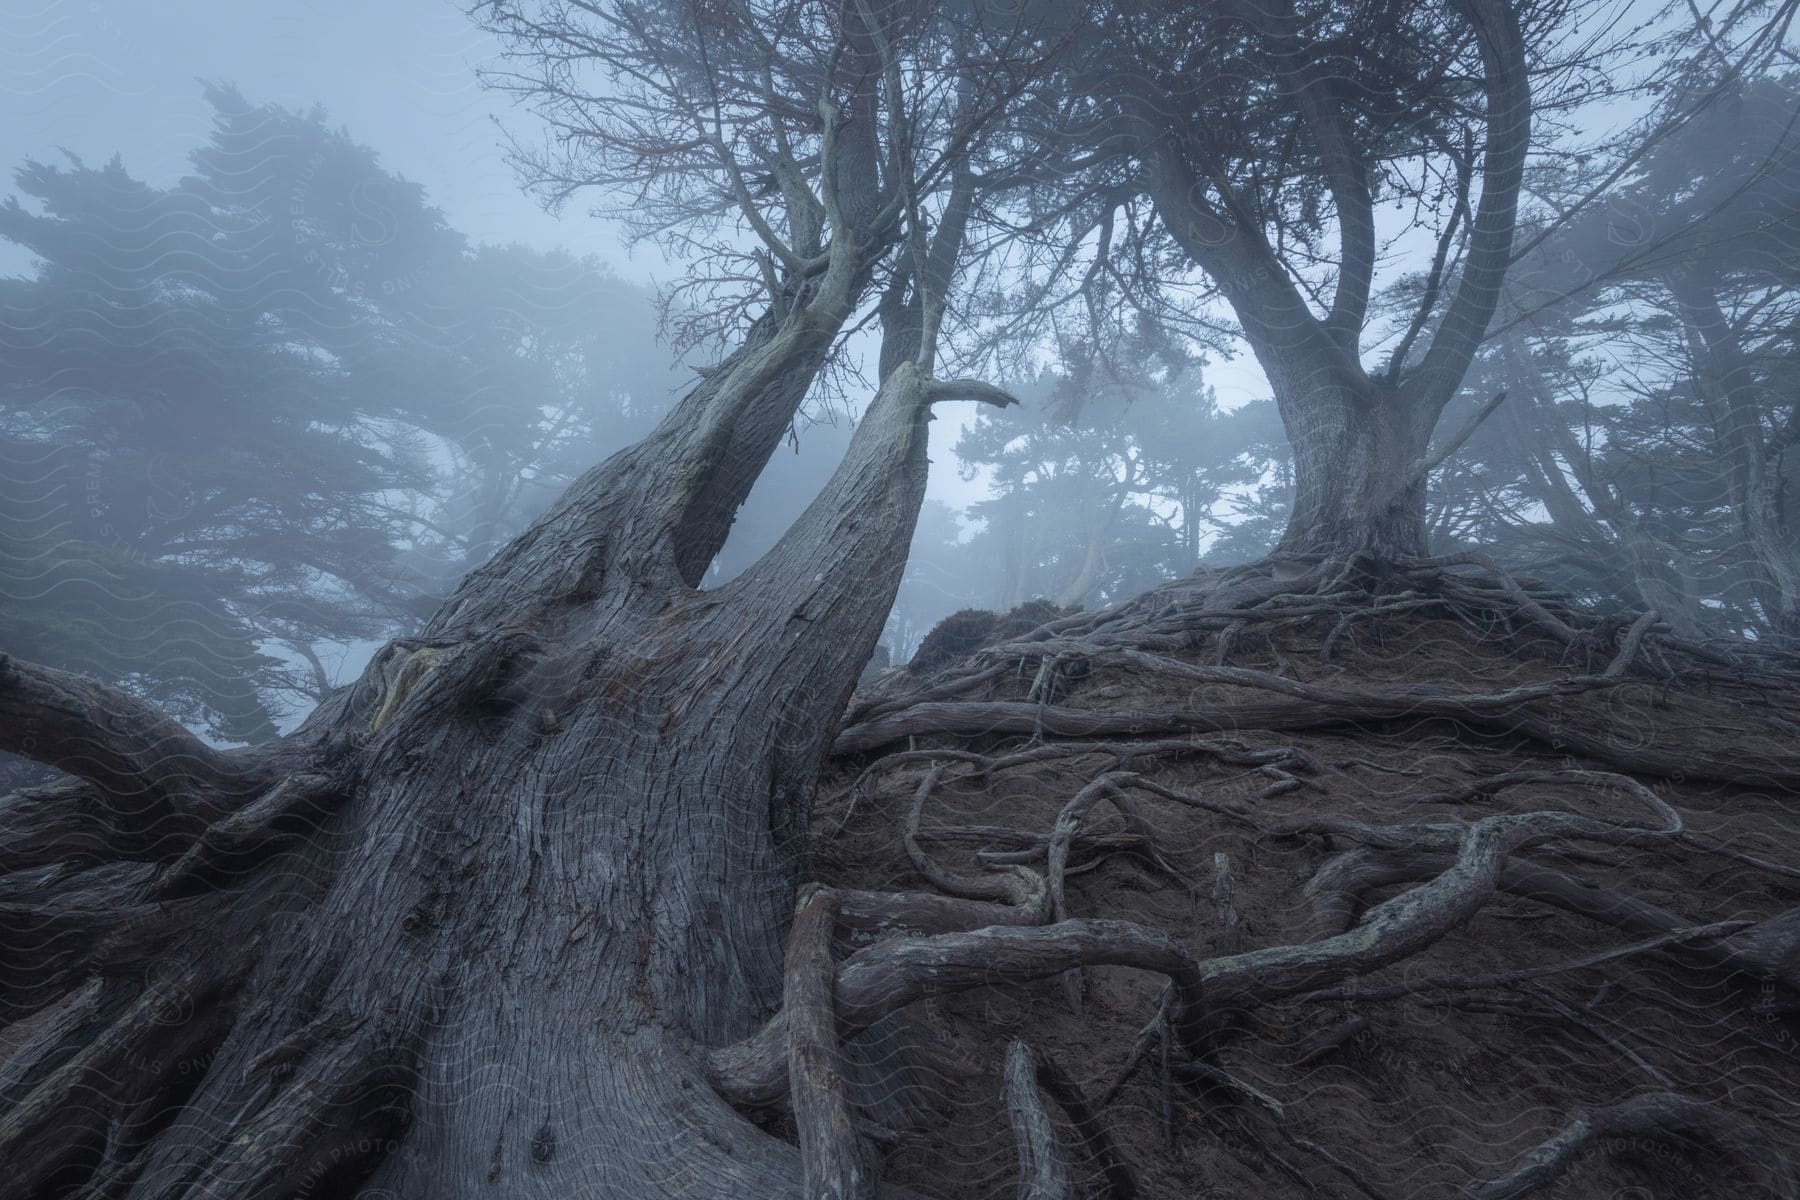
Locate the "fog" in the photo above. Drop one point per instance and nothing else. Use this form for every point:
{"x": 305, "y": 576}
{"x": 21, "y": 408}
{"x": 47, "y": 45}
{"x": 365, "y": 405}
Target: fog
{"x": 469, "y": 351}
{"x": 90, "y": 81}
{"x": 721, "y": 599}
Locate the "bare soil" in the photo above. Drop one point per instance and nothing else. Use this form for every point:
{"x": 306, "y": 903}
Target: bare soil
{"x": 1420, "y": 1095}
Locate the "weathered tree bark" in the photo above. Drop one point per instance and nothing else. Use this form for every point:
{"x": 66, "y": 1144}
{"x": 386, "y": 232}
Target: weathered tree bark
{"x": 1358, "y": 484}
{"x": 468, "y": 929}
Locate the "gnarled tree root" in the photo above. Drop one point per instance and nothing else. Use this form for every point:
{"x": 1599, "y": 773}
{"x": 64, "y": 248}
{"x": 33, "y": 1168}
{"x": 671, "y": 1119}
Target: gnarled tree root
{"x": 836, "y": 1163}
{"x": 892, "y": 974}
{"x": 1043, "y": 1167}
{"x": 1661, "y": 1116}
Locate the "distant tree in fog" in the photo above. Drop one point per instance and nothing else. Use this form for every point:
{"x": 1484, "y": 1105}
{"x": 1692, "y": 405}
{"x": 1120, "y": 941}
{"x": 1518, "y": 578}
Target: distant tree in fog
{"x": 276, "y": 405}
{"x": 1117, "y": 471}
{"x": 1646, "y": 455}
{"x": 194, "y": 462}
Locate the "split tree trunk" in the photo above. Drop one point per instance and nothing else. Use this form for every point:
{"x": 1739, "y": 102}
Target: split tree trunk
{"x": 1360, "y": 439}
{"x": 469, "y": 929}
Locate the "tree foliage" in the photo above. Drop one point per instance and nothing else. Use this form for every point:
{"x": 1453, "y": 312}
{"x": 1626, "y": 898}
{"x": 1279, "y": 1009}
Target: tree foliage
{"x": 279, "y": 405}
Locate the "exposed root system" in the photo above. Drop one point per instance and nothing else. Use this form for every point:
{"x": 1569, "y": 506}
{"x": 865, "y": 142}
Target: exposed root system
{"x": 1326, "y": 880}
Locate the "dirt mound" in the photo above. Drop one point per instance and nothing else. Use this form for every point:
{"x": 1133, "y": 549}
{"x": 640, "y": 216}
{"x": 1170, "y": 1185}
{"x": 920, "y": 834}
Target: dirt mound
{"x": 1346, "y": 763}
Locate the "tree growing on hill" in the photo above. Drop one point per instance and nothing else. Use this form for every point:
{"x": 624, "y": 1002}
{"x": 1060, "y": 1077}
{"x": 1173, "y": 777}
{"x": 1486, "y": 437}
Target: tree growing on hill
{"x": 1264, "y": 170}
{"x": 511, "y": 913}
{"x": 581, "y": 758}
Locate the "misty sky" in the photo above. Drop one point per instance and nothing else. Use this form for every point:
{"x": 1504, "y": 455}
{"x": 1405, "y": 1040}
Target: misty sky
{"x": 95, "y": 77}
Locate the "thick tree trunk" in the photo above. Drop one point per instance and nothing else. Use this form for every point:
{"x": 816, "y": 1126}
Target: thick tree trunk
{"x": 1359, "y": 441}
{"x": 1359, "y": 479}
{"x": 469, "y": 930}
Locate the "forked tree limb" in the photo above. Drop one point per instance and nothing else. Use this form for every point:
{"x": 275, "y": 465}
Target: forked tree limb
{"x": 1662, "y": 1116}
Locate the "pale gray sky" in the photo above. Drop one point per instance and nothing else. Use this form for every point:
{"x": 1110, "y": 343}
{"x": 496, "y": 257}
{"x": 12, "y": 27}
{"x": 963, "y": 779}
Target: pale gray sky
{"x": 95, "y": 77}
{"x": 99, "y": 76}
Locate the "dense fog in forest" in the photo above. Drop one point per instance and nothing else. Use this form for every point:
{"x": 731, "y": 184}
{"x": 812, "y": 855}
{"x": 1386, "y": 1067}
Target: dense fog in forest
{"x": 455, "y": 354}
{"x": 391, "y": 356}
{"x": 512, "y": 512}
